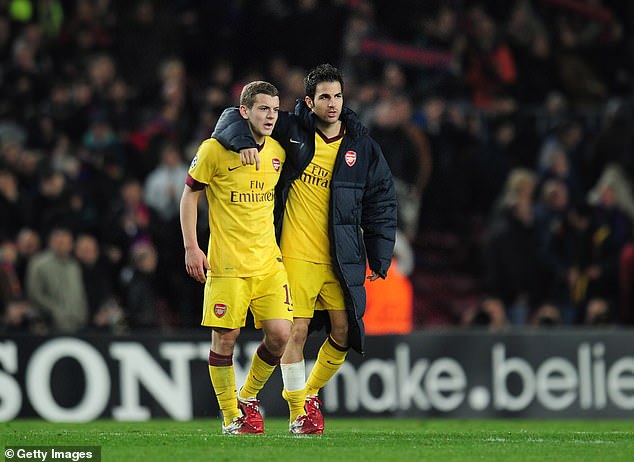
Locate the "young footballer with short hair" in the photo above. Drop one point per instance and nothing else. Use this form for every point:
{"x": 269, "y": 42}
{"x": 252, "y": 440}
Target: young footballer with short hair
{"x": 243, "y": 266}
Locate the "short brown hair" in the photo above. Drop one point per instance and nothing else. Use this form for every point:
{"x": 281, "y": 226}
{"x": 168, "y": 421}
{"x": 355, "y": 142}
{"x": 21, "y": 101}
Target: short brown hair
{"x": 250, "y": 90}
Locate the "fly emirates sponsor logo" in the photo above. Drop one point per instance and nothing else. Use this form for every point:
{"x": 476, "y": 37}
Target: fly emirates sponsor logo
{"x": 316, "y": 176}
{"x": 256, "y": 194}
{"x": 587, "y": 382}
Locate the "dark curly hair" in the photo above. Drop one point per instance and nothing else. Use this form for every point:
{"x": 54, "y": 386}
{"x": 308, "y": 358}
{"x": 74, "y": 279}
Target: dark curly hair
{"x": 321, "y": 73}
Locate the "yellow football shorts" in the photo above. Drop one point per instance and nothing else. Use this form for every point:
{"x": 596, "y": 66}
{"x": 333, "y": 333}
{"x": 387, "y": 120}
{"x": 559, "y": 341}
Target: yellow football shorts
{"x": 314, "y": 287}
{"x": 227, "y": 299}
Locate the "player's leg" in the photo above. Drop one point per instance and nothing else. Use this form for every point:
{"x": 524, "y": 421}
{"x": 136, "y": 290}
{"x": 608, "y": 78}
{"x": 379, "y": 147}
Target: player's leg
{"x": 222, "y": 373}
{"x": 331, "y": 355}
{"x": 273, "y": 312}
{"x": 225, "y": 305}
{"x": 267, "y": 356}
{"x": 263, "y": 363}
{"x": 294, "y": 377}
{"x": 305, "y": 283}
{"x": 294, "y": 369}
{"x": 334, "y": 350}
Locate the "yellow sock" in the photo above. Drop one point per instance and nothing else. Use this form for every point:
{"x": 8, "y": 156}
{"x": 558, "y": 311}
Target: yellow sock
{"x": 296, "y": 400}
{"x": 329, "y": 359}
{"x": 223, "y": 379}
{"x": 262, "y": 366}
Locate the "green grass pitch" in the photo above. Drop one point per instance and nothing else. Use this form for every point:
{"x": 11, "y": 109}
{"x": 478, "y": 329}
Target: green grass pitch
{"x": 367, "y": 440}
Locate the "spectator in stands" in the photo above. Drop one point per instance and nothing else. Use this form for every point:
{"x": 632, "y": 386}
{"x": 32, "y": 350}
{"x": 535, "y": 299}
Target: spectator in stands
{"x": 54, "y": 284}
{"x": 85, "y": 31}
{"x": 10, "y": 286}
{"x": 82, "y": 106}
{"x": 144, "y": 301}
{"x": 359, "y": 26}
{"x": 530, "y": 44}
{"x": 577, "y": 33}
{"x": 129, "y": 218}
{"x": 489, "y": 313}
{"x": 145, "y": 36}
{"x": 454, "y": 138}
{"x": 489, "y": 66}
{"x": 121, "y": 109}
{"x": 566, "y": 137}
{"x": 25, "y": 77}
{"x": 171, "y": 119}
{"x": 598, "y": 313}
{"x": 214, "y": 101}
{"x": 162, "y": 191}
{"x": 103, "y": 304}
{"x": 508, "y": 144}
{"x": 409, "y": 157}
{"x": 16, "y": 313}
{"x": 101, "y": 72}
{"x": 100, "y": 140}
{"x": 5, "y": 39}
{"x": 556, "y": 165}
{"x": 28, "y": 243}
{"x": 53, "y": 203}
{"x": 613, "y": 142}
{"x": 563, "y": 238}
{"x": 612, "y": 240}
{"x": 13, "y": 205}
{"x": 546, "y": 315}
{"x": 162, "y": 188}
{"x": 513, "y": 266}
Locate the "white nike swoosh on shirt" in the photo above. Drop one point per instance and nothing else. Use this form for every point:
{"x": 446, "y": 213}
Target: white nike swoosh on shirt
{"x": 295, "y": 141}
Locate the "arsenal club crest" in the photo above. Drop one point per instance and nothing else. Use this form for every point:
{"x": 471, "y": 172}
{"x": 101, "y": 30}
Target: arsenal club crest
{"x": 276, "y": 164}
{"x": 220, "y": 309}
{"x": 351, "y": 158}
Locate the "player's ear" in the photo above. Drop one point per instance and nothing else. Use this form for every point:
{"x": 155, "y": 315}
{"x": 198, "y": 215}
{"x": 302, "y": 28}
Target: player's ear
{"x": 243, "y": 112}
{"x": 309, "y": 102}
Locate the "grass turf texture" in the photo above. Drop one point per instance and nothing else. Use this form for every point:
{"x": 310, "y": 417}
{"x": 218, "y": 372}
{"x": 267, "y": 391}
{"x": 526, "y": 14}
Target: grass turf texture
{"x": 344, "y": 440}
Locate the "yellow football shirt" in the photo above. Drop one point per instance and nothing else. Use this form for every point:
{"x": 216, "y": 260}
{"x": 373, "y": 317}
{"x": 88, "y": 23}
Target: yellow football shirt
{"x": 305, "y": 229}
{"x": 242, "y": 236}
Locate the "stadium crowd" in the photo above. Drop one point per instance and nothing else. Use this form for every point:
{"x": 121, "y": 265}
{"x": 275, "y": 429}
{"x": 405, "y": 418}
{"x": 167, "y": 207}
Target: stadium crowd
{"x": 507, "y": 126}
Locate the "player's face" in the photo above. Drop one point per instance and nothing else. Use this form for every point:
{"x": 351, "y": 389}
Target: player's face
{"x": 328, "y": 102}
{"x": 262, "y": 115}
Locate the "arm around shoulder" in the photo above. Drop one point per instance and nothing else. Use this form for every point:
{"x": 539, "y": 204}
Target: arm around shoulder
{"x": 232, "y": 131}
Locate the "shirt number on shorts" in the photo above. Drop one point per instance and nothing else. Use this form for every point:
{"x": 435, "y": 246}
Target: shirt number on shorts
{"x": 288, "y": 295}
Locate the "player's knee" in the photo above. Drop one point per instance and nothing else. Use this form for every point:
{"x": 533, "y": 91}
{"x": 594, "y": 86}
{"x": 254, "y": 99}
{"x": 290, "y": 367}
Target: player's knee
{"x": 299, "y": 333}
{"x": 224, "y": 340}
{"x": 281, "y": 336}
{"x": 277, "y": 337}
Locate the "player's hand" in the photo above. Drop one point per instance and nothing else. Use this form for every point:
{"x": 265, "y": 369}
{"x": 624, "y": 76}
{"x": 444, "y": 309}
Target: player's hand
{"x": 373, "y": 277}
{"x": 250, "y": 156}
{"x": 196, "y": 264}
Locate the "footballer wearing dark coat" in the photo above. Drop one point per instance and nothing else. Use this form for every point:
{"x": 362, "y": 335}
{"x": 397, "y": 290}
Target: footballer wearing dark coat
{"x": 363, "y": 208}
